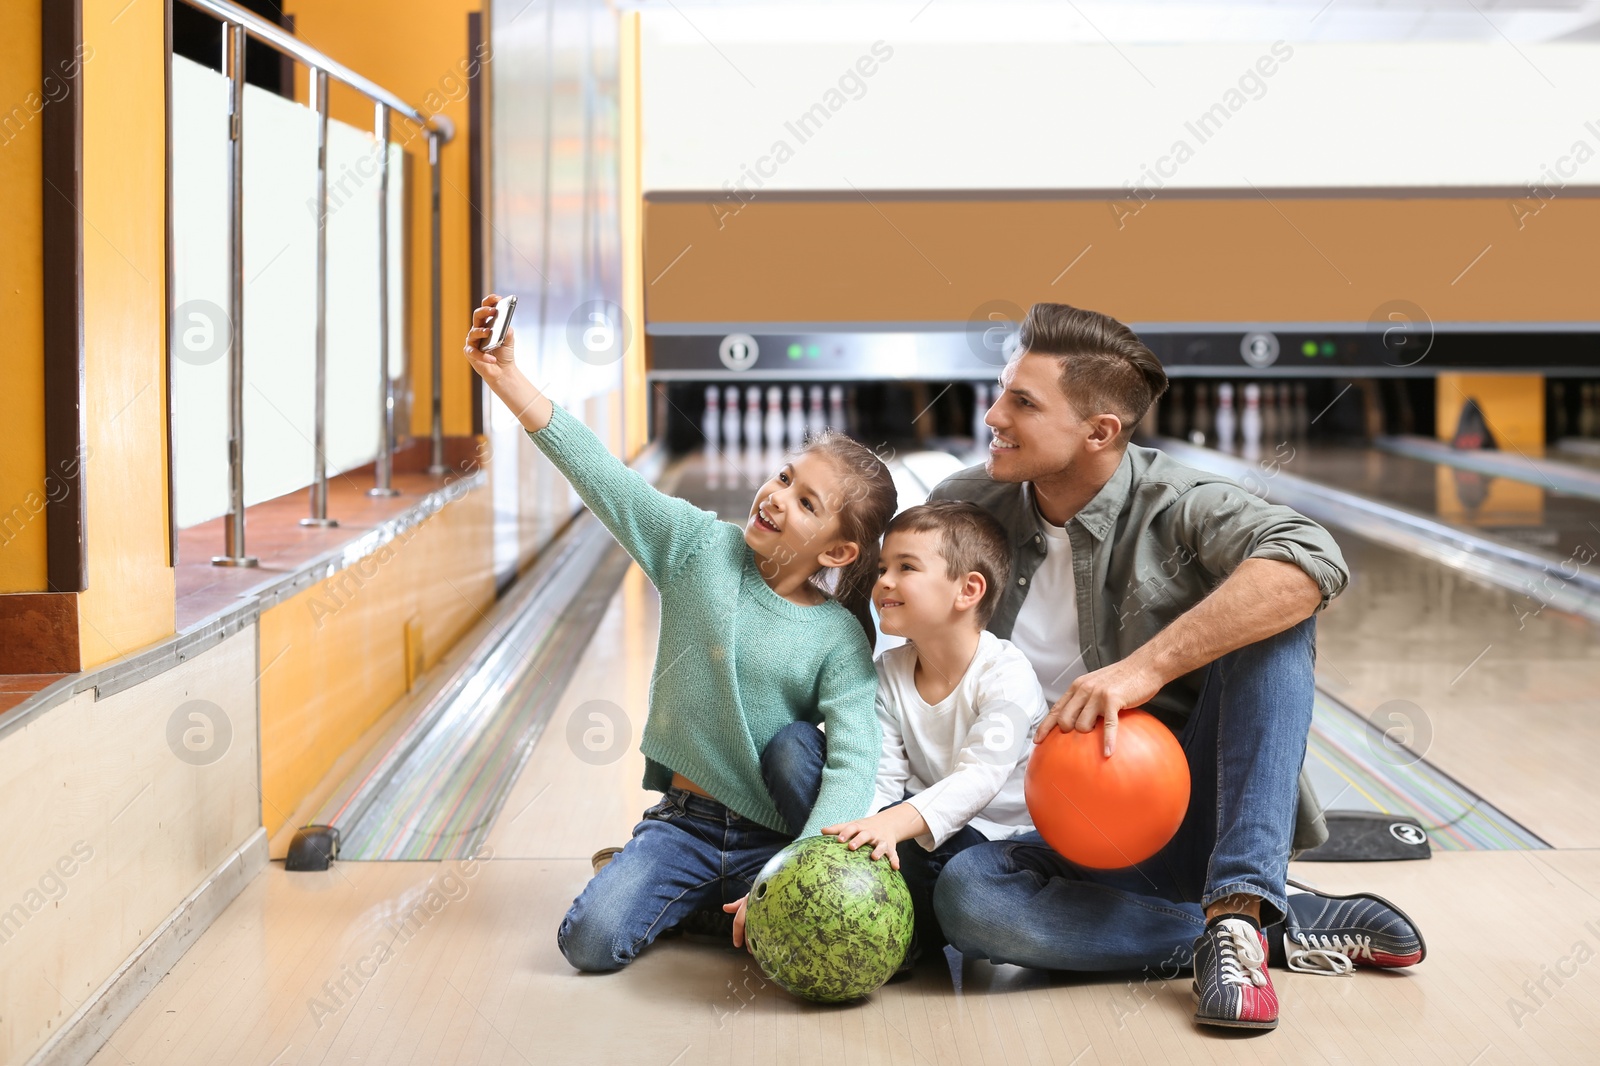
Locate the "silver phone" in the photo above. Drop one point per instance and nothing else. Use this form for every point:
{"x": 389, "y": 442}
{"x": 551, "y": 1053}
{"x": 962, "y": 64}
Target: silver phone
{"x": 502, "y": 322}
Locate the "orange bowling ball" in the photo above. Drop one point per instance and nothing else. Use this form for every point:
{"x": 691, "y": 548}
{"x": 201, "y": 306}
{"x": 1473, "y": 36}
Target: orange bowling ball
{"x": 1108, "y": 813}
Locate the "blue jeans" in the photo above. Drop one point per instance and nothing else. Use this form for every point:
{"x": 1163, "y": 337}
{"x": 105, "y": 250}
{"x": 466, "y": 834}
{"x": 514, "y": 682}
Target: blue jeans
{"x": 688, "y": 854}
{"x": 796, "y": 755}
{"x": 1018, "y": 901}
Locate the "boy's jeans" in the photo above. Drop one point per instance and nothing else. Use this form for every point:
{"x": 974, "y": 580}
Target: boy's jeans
{"x": 688, "y": 854}
{"x": 1018, "y": 901}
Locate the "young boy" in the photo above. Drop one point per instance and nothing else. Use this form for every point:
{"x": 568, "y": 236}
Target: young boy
{"x": 958, "y": 705}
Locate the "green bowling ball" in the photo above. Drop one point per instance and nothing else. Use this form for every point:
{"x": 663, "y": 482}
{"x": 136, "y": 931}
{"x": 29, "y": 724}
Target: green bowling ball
{"x": 827, "y": 923}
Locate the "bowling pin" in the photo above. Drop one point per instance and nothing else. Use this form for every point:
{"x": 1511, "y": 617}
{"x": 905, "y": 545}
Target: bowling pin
{"x": 730, "y": 417}
{"x": 815, "y": 421}
{"x": 1227, "y": 420}
{"x": 1269, "y": 415}
{"x": 836, "y": 418}
{"x": 1200, "y": 426}
{"x": 1179, "y": 426}
{"x": 1302, "y": 415}
{"x": 711, "y": 421}
{"x": 1250, "y": 421}
{"x": 752, "y": 420}
{"x": 774, "y": 418}
{"x": 795, "y": 422}
{"x": 980, "y": 407}
{"x": 1285, "y": 414}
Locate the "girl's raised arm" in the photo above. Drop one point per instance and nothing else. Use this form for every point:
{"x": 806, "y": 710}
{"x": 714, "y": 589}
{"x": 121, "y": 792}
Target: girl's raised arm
{"x": 658, "y": 530}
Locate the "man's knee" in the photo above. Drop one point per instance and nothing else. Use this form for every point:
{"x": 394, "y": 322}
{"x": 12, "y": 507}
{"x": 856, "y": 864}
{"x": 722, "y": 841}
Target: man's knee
{"x": 1289, "y": 655}
{"x": 1299, "y": 640}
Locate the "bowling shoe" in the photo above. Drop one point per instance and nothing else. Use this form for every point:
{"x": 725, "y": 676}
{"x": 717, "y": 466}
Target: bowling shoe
{"x": 1330, "y": 934}
{"x": 1231, "y": 984}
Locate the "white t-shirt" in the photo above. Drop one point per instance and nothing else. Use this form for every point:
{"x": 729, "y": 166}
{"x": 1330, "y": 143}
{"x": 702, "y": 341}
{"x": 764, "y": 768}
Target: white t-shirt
{"x": 1047, "y": 626}
{"x": 963, "y": 758}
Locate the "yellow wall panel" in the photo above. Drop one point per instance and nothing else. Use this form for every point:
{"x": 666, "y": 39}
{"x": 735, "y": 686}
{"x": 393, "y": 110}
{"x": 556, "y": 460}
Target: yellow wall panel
{"x": 22, "y": 489}
{"x": 333, "y": 657}
{"x": 129, "y": 602}
{"x": 1512, "y": 404}
{"x": 417, "y": 49}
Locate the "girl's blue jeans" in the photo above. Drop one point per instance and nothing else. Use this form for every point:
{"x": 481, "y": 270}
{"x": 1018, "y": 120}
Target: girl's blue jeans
{"x": 688, "y": 854}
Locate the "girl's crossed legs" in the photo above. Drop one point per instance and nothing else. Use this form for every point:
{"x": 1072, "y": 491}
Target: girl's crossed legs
{"x": 688, "y": 854}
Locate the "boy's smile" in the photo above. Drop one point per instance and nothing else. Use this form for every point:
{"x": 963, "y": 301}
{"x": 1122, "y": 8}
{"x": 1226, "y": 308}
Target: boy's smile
{"x": 914, "y": 590}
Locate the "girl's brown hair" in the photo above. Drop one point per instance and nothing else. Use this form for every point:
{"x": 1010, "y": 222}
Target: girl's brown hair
{"x": 867, "y": 502}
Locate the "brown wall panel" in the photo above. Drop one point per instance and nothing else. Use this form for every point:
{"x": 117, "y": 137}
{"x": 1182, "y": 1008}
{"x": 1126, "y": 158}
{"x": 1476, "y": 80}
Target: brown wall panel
{"x": 1284, "y": 259}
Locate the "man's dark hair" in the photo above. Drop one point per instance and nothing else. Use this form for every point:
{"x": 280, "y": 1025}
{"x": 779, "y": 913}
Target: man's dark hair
{"x": 1105, "y": 367}
{"x": 970, "y": 539}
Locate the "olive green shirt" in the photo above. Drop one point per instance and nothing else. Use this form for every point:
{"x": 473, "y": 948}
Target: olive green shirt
{"x": 1152, "y": 543}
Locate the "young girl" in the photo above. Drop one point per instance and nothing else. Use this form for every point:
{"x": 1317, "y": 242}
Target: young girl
{"x": 749, "y": 644}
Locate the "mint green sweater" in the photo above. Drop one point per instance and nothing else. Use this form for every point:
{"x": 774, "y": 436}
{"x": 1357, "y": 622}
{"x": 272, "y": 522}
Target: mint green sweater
{"x": 735, "y": 662}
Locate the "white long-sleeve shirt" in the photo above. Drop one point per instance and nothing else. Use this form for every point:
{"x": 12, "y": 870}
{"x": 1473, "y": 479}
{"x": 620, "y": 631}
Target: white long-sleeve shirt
{"x": 963, "y": 758}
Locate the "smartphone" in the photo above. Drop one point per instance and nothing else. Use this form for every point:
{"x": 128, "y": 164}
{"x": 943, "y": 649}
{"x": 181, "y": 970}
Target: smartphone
{"x": 502, "y": 322}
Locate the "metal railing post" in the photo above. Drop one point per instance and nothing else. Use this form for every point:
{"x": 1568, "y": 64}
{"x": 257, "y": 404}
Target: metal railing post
{"x": 319, "y": 484}
{"x": 239, "y": 23}
{"x": 385, "y": 462}
{"x": 233, "y": 38}
{"x": 436, "y": 325}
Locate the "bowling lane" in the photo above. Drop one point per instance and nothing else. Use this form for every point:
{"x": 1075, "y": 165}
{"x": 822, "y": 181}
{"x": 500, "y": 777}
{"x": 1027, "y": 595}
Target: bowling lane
{"x": 1490, "y": 686}
{"x": 1520, "y": 513}
{"x": 1578, "y": 451}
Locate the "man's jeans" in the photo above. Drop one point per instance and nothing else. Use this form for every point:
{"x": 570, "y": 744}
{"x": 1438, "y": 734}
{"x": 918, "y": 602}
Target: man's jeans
{"x": 689, "y": 854}
{"x": 1018, "y": 901}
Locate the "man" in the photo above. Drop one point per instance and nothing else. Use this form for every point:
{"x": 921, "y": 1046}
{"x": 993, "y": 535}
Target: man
{"x": 1140, "y": 582}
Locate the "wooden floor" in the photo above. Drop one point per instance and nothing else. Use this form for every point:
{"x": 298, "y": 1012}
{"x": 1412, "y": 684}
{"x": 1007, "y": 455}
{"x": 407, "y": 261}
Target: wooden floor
{"x": 428, "y": 963}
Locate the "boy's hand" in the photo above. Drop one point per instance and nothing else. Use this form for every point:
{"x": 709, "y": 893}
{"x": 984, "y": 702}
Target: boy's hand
{"x": 489, "y": 365}
{"x": 883, "y": 831}
{"x": 737, "y": 909}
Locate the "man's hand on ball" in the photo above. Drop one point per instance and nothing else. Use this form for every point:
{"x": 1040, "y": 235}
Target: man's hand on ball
{"x": 1103, "y": 693}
